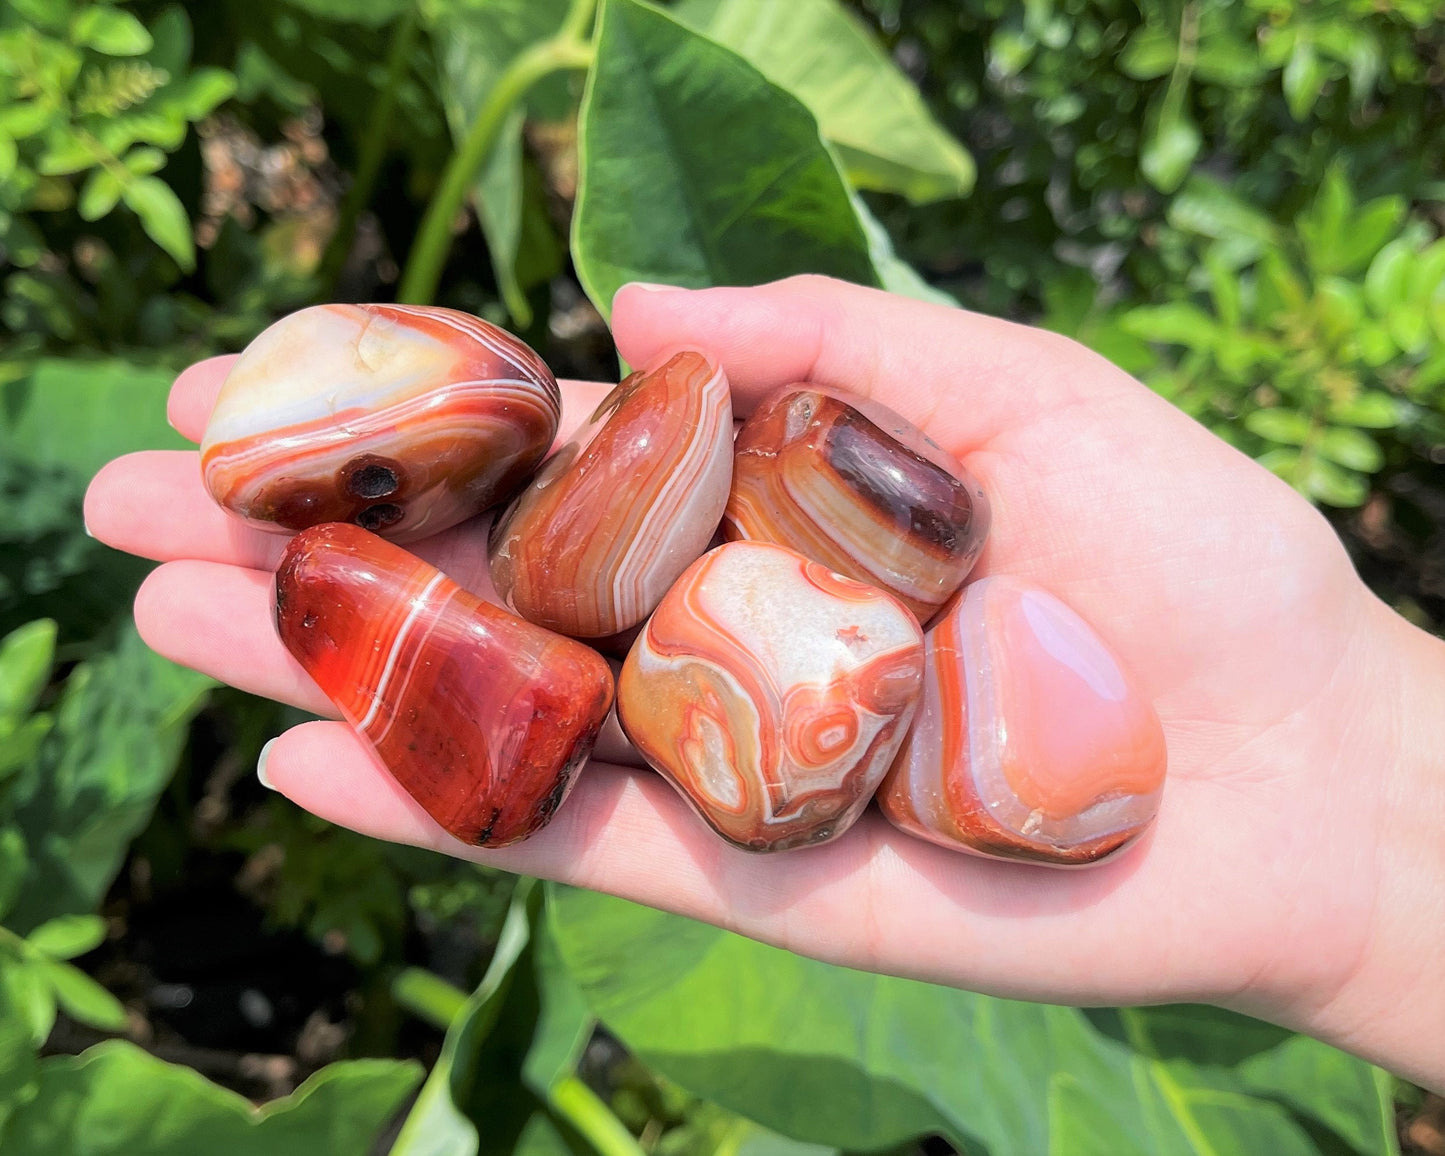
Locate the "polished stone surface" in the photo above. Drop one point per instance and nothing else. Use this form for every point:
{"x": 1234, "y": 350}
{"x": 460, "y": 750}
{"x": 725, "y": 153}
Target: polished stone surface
{"x": 772, "y": 693}
{"x": 616, "y": 514}
{"x": 1031, "y": 741}
{"x": 483, "y": 719}
{"x": 847, "y": 482}
{"x": 402, "y": 419}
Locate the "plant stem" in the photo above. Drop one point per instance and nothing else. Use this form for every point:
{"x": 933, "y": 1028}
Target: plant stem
{"x": 428, "y": 996}
{"x": 373, "y": 152}
{"x": 433, "y": 240}
{"x": 581, "y": 1107}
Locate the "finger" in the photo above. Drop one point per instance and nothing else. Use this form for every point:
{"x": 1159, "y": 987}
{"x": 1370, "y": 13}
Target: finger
{"x": 193, "y": 396}
{"x": 219, "y": 620}
{"x": 860, "y": 900}
{"x": 155, "y": 505}
{"x": 962, "y": 376}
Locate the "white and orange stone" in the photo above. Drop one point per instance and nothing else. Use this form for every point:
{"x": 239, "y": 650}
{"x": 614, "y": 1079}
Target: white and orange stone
{"x": 593, "y": 543}
{"x": 773, "y": 693}
{"x": 401, "y": 419}
{"x": 1032, "y": 741}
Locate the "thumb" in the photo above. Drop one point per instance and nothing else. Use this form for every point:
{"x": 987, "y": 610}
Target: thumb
{"x": 963, "y": 377}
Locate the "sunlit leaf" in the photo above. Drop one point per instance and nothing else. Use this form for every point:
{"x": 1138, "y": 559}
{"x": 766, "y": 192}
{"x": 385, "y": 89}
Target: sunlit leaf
{"x": 1286, "y": 426}
{"x": 81, "y": 998}
{"x": 113, "y": 31}
{"x": 163, "y": 217}
{"x": 116, "y": 1100}
{"x": 864, "y": 105}
{"x": 67, "y": 936}
{"x": 678, "y": 186}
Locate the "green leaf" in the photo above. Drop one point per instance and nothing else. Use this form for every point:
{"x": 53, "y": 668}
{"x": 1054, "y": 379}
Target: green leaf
{"x": 898, "y": 275}
{"x": 116, "y": 1100}
{"x": 834, "y": 1056}
{"x": 1387, "y": 282}
{"x": 1150, "y": 53}
{"x": 677, "y": 183}
{"x": 101, "y": 194}
{"x": 1303, "y": 79}
{"x": 1177, "y": 323}
{"x": 83, "y": 999}
{"x": 30, "y": 999}
{"x": 17, "y": 1048}
{"x": 26, "y": 656}
{"x": 9, "y": 155}
{"x": 141, "y": 162}
{"x": 865, "y": 106}
{"x": 163, "y": 217}
{"x": 1369, "y": 229}
{"x": 119, "y": 728}
{"x": 81, "y": 414}
{"x": 112, "y": 31}
{"x": 1368, "y": 411}
{"x": 1171, "y": 142}
{"x": 1208, "y": 207}
{"x": 474, "y": 43}
{"x": 438, "y": 1123}
{"x": 1352, "y": 449}
{"x": 1286, "y": 426}
{"x": 67, "y": 936}
{"x": 198, "y": 94}
{"x": 1328, "y": 483}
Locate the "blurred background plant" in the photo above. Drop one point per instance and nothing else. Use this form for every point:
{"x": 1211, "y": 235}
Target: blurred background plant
{"x": 1241, "y": 203}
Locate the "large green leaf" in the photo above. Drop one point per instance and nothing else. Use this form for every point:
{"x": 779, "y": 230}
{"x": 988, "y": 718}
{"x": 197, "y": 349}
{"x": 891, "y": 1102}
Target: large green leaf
{"x": 835, "y": 1056}
{"x": 116, "y": 1100}
{"x": 865, "y": 105}
{"x": 80, "y": 414}
{"x": 119, "y": 728}
{"x": 475, "y": 40}
{"x": 521, "y": 1030}
{"x": 696, "y": 170}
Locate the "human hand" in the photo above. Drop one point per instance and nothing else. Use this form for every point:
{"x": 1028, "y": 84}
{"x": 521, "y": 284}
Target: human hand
{"x": 1289, "y": 872}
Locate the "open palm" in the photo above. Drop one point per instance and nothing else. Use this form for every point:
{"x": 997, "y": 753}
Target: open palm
{"x": 1227, "y": 595}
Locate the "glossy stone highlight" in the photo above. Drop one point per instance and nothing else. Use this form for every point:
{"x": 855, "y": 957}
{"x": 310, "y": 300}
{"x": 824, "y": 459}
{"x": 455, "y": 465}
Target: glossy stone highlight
{"x": 773, "y": 693}
{"x": 402, "y": 419}
{"x": 592, "y": 545}
{"x": 481, "y": 717}
{"x": 851, "y": 484}
{"x": 1031, "y": 741}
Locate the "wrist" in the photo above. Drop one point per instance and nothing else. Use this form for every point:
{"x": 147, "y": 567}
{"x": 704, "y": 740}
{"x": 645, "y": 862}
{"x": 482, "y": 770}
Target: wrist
{"x": 1386, "y": 1001}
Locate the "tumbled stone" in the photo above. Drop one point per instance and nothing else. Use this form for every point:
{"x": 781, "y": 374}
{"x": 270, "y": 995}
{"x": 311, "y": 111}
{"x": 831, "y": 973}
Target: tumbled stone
{"x": 482, "y": 718}
{"x": 847, "y": 482}
{"x": 772, "y": 693}
{"x": 402, "y": 419}
{"x": 591, "y": 546}
{"x": 1031, "y": 741}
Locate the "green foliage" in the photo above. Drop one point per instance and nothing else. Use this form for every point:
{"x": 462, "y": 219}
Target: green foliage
{"x": 678, "y": 186}
{"x": 871, "y": 113}
{"x": 1239, "y": 202}
{"x": 862, "y": 1062}
{"x": 116, "y": 1099}
{"x": 90, "y": 94}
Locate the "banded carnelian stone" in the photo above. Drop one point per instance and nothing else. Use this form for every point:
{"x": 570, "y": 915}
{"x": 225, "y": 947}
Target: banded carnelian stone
{"x": 772, "y": 693}
{"x": 1032, "y": 741}
{"x": 847, "y": 482}
{"x": 616, "y": 514}
{"x": 483, "y": 718}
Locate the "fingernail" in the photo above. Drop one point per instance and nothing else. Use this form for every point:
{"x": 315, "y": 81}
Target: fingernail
{"x": 652, "y": 287}
{"x": 261, "y": 765}
{"x": 84, "y": 525}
